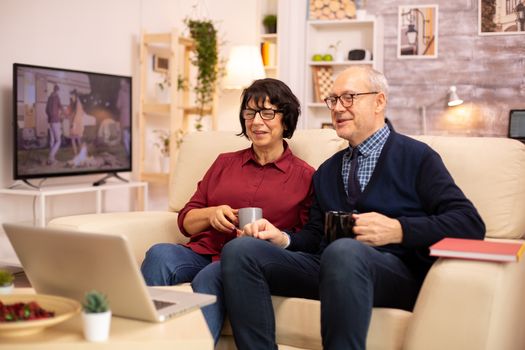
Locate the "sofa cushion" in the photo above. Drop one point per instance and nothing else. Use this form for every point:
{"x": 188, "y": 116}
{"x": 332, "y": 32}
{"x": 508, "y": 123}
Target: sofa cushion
{"x": 142, "y": 229}
{"x": 489, "y": 170}
{"x": 298, "y": 325}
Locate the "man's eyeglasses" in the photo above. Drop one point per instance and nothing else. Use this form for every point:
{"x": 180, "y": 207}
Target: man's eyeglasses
{"x": 347, "y": 99}
{"x": 266, "y": 114}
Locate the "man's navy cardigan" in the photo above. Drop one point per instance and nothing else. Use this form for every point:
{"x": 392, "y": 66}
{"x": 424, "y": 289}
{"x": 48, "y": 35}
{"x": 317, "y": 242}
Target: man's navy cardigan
{"x": 409, "y": 183}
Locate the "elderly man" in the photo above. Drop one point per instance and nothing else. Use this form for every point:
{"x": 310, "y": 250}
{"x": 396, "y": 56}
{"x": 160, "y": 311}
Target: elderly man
{"x": 405, "y": 201}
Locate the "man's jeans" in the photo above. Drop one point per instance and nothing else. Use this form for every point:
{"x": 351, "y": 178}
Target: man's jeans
{"x": 349, "y": 279}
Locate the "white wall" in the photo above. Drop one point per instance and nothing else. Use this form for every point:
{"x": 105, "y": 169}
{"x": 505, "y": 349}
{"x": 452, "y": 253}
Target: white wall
{"x": 99, "y": 36}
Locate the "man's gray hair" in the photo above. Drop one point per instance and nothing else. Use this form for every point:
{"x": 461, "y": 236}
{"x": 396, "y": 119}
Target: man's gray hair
{"x": 377, "y": 81}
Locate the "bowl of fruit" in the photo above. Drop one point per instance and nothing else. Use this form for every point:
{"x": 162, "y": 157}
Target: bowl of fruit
{"x": 24, "y": 314}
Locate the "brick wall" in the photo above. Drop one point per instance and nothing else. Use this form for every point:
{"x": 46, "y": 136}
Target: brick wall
{"x": 489, "y": 72}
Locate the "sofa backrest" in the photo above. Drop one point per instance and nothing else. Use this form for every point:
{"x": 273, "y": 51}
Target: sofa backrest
{"x": 490, "y": 171}
{"x": 200, "y": 149}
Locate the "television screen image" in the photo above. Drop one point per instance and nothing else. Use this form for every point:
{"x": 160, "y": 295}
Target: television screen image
{"x": 70, "y": 122}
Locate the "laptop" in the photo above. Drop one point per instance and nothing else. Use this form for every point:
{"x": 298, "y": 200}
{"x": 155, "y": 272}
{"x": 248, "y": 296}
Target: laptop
{"x": 71, "y": 263}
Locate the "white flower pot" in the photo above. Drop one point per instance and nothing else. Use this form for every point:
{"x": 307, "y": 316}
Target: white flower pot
{"x": 162, "y": 95}
{"x": 164, "y": 163}
{"x": 340, "y": 55}
{"x": 6, "y": 289}
{"x": 96, "y": 326}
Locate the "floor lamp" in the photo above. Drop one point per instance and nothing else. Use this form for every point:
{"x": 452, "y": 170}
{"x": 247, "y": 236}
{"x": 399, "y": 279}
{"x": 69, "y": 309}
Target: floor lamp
{"x": 452, "y": 101}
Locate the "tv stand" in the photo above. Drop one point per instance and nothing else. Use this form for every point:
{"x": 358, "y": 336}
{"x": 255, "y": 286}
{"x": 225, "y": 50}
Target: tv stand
{"x": 110, "y": 175}
{"x": 26, "y": 182}
{"x": 41, "y": 194}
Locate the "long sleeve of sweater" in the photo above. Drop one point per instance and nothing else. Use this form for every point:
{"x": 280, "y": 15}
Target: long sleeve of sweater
{"x": 450, "y": 213}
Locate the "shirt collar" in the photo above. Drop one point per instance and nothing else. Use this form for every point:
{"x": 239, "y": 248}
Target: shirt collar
{"x": 371, "y": 144}
{"x": 283, "y": 163}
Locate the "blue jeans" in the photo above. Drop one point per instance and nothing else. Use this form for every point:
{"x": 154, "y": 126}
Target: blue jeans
{"x": 209, "y": 281}
{"x": 349, "y": 279}
{"x": 168, "y": 264}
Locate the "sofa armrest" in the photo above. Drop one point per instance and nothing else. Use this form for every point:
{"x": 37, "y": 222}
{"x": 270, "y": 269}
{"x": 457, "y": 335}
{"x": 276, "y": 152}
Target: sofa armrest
{"x": 142, "y": 229}
{"x": 470, "y": 305}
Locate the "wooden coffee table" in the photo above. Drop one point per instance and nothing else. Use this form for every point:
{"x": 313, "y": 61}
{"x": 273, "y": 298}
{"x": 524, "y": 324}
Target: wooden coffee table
{"x": 188, "y": 331}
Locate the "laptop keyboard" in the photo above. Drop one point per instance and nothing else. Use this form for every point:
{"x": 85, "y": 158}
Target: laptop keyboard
{"x": 162, "y": 304}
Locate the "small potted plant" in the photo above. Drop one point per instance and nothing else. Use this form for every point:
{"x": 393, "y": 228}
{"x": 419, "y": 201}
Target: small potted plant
{"x": 96, "y": 316}
{"x": 6, "y": 282}
{"x": 163, "y": 145}
{"x": 270, "y": 23}
{"x": 338, "y": 54}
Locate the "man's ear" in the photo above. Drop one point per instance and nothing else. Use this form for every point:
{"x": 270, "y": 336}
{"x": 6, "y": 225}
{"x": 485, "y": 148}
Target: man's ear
{"x": 380, "y": 102}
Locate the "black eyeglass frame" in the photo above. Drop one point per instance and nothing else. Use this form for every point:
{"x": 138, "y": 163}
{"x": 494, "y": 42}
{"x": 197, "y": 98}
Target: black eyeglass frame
{"x": 260, "y": 111}
{"x": 343, "y": 103}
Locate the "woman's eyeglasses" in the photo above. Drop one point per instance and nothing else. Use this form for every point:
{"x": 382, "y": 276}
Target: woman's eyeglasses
{"x": 266, "y": 114}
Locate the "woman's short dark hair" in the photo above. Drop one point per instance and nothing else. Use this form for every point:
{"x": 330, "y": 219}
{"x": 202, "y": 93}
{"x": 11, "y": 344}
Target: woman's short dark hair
{"x": 279, "y": 95}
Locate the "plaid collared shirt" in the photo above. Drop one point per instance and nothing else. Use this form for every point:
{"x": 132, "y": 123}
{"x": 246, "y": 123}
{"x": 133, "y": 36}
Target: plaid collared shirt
{"x": 370, "y": 150}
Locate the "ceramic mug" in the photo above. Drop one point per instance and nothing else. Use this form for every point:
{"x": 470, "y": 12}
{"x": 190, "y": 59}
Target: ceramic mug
{"x": 338, "y": 224}
{"x": 249, "y": 215}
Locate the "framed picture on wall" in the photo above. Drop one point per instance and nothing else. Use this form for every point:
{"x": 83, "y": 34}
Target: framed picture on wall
{"x": 161, "y": 64}
{"x": 501, "y": 17}
{"x": 417, "y": 35}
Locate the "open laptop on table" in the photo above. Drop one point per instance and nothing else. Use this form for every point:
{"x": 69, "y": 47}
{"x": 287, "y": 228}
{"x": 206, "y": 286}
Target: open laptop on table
{"x": 71, "y": 263}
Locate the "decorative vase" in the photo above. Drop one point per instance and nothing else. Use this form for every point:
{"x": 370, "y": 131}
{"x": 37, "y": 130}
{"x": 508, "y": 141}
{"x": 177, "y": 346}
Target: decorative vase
{"x": 360, "y": 14}
{"x": 162, "y": 94}
{"x": 8, "y": 289}
{"x": 164, "y": 164}
{"x": 339, "y": 55}
{"x": 96, "y": 326}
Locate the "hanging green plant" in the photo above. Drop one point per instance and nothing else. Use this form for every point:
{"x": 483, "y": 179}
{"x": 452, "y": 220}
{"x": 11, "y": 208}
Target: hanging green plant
{"x": 206, "y": 60}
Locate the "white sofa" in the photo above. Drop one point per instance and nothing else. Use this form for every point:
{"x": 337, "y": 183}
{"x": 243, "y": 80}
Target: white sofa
{"x": 463, "y": 305}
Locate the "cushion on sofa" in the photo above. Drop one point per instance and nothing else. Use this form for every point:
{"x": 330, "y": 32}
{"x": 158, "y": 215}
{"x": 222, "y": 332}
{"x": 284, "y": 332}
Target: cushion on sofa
{"x": 489, "y": 170}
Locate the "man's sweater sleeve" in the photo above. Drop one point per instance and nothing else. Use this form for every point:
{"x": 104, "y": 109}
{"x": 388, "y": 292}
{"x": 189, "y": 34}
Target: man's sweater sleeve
{"x": 450, "y": 213}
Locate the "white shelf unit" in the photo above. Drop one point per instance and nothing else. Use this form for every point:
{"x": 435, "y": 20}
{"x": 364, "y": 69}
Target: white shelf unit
{"x": 352, "y": 34}
{"x": 269, "y": 7}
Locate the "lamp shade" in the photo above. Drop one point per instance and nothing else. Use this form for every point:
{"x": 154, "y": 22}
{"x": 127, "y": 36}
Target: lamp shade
{"x": 411, "y": 34}
{"x": 244, "y": 66}
{"x": 453, "y": 98}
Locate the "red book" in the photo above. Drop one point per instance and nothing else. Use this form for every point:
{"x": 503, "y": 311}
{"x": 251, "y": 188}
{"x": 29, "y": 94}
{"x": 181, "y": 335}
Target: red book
{"x": 477, "y": 249}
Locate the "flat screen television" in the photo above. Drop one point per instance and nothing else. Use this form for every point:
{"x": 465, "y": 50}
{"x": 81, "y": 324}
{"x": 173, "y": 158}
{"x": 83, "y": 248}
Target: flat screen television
{"x": 69, "y": 122}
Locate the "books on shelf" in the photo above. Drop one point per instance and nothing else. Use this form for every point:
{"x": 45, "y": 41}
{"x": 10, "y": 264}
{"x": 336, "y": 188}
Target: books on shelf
{"x": 269, "y": 54}
{"x": 477, "y": 249}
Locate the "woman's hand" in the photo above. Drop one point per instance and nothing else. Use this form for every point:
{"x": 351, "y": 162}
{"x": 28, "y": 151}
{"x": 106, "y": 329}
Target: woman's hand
{"x": 223, "y": 218}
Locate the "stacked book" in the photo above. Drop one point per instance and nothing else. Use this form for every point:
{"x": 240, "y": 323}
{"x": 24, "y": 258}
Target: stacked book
{"x": 477, "y": 249}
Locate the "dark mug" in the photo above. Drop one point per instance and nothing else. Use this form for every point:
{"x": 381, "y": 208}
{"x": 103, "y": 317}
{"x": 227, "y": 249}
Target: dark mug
{"x": 338, "y": 224}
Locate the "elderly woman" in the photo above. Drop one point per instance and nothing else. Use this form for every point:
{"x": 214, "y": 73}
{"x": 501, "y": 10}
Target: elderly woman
{"x": 266, "y": 175}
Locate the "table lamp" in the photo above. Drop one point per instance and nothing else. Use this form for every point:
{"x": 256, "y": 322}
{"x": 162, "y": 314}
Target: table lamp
{"x": 244, "y": 66}
{"x": 452, "y": 99}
